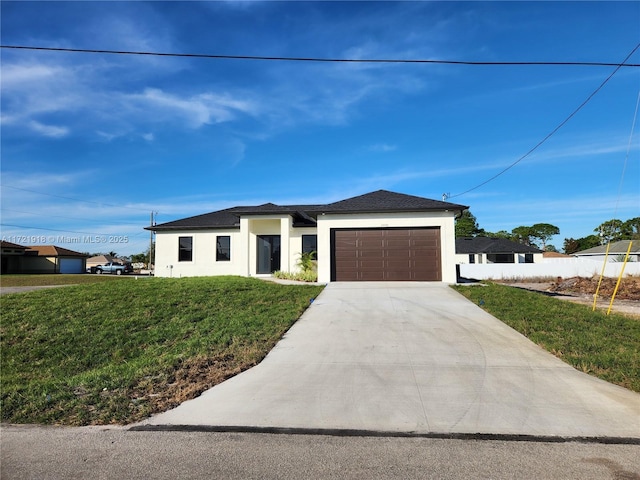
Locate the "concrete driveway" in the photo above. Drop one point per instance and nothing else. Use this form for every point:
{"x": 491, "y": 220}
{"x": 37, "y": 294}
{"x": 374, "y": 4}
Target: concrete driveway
{"x": 410, "y": 358}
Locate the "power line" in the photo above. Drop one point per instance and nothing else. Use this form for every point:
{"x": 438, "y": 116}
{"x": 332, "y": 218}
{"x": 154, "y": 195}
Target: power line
{"x": 92, "y": 220}
{"x": 52, "y": 229}
{"x": 320, "y": 59}
{"x": 549, "y": 135}
{"x": 626, "y": 158}
{"x": 68, "y": 231}
{"x": 76, "y": 199}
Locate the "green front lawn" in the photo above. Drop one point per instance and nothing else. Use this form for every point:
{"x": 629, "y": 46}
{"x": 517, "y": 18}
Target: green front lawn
{"x": 33, "y": 280}
{"x": 606, "y": 346}
{"x": 120, "y": 350}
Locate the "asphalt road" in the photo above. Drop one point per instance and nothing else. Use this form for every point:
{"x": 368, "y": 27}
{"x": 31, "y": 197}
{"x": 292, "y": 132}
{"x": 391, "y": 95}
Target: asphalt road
{"x": 102, "y": 453}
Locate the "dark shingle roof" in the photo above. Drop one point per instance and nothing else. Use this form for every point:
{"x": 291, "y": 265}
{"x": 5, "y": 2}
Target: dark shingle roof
{"x": 6, "y": 244}
{"x": 304, "y": 215}
{"x": 386, "y": 201}
{"x": 492, "y": 245}
{"x": 220, "y": 219}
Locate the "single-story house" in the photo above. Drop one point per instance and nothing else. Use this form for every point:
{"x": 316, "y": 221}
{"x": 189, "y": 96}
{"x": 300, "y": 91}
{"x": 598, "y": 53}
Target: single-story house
{"x": 617, "y": 252}
{"x": 381, "y": 235}
{"x": 41, "y": 259}
{"x": 555, "y": 255}
{"x": 99, "y": 260}
{"x": 495, "y": 250}
{"x": 12, "y": 255}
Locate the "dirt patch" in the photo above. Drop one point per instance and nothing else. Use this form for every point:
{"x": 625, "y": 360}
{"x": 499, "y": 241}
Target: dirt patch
{"x": 582, "y": 290}
{"x": 629, "y": 288}
{"x": 188, "y": 380}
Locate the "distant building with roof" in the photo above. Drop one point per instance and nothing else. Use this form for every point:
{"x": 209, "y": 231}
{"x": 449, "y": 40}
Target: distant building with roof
{"x": 495, "y": 250}
{"x": 617, "y": 251}
{"x": 41, "y": 259}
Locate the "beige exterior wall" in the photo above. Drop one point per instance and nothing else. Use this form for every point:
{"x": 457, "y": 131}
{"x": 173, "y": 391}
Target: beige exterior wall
{"x": 34, "y": 264}
{"x": 444, "y": 220}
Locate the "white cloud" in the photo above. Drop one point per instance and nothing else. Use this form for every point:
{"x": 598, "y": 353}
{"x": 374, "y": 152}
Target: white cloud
{"x": 48, "y": 130}
{"x": 106, "y": 135}
{"x": 196, "y": 110}
{"x": 44, "y": 180}
{"x": 18, "y": 75}
{"x": 382, "y": 148}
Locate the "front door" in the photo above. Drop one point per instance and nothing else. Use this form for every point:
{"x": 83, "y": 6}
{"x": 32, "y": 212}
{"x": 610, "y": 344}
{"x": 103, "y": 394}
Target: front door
{"x": 268, "y": 253}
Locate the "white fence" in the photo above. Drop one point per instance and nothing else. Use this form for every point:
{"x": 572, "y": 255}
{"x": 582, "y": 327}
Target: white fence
{"x": 551, "y": 267}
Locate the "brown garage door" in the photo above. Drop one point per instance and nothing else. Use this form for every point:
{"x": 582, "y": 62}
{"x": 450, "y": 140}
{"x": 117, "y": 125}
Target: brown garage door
{"x": 400, "y": 254}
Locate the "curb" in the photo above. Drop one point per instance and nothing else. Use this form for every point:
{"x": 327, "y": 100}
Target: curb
{"x": 334, "y": 432}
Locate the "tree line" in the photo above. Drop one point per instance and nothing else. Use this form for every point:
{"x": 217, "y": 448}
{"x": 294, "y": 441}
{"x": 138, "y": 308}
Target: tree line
{"x": 539, "y": 234}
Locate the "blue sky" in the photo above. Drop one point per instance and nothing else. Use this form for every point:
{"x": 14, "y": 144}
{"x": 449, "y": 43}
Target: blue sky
{"x": 92, "y": 143}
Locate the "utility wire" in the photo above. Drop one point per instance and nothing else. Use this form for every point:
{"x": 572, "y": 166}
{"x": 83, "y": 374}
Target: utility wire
{"x": 318, "y": 59}
{"x": 92, "y": 220}
{"x": 68, "y": 231}
{"x": 626, "y": 158}
{"x": 55, "y": 230}
{"x": 549, "y": 135}
{"x": 76, "y": 199}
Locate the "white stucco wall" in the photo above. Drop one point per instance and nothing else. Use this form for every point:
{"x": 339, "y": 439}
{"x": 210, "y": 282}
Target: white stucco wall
{"x": 295, "y": 245}
{"x": 463, "y": 258}
{"x": 243, "y": 243}
{"x": 444, "y": 220}
{"x": 548, "y": 268}
{"x": 203, "y": 261}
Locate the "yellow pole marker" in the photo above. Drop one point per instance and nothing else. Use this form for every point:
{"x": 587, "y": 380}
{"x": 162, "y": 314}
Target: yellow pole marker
{"x": 595, "y": 295}
{"x": 619, "y": 277}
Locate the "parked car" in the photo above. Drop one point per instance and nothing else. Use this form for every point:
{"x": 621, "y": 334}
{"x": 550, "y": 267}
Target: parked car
{"x": 113, "y": 267}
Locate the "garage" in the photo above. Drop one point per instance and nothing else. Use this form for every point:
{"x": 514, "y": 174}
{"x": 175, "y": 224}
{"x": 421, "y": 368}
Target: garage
{"x": 71, "y": 265}
{"x": 389, "y": 254}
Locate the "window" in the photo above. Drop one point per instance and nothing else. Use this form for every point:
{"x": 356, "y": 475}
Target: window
{"x": 528, "y": 258}
{"x": 185, "y": 249}
{"x": 223, "y": 248}
{"x": 500, "y": 258}
{"x": 310, "y": 244}
{"x": 472, "y": 258}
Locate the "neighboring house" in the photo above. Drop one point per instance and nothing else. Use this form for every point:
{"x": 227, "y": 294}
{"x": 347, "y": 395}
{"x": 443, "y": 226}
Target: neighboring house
{"x": 99, "y": 260}
{"x": 52, "y": 259}
{"x": 554, "y": 255}
{"x": 617, "y": 252}
{"x": 495, "y": 250}
{"x": 12, "y": 255}
{"x": 41, "y": 259}
{"x": 377, "y": 236}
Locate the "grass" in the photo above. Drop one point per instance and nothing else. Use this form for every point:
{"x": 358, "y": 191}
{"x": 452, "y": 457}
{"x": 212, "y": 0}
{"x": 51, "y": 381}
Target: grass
{"x": 606, "y": 346}
{"x": 55, "y": 279}
{"x": 120, "y": 350}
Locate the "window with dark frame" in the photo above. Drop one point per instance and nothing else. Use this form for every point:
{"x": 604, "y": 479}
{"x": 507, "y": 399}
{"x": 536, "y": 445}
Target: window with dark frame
{"x": 472, "y": 258}
{"x": 501, "y": 258}
{"x": 185, "y": 249}
{"x": 223, "y": 248}
{"x": 528, "y": 258}
{"x": 310, "y": 244}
